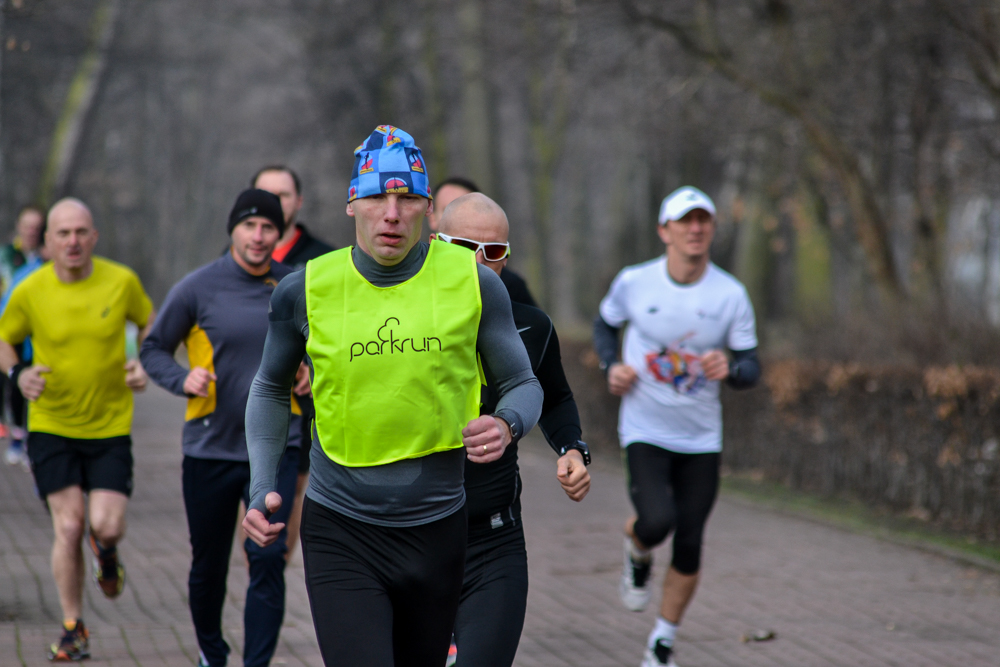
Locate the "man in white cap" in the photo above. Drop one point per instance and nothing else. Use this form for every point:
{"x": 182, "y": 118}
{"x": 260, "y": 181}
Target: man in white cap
{"x": 683, "y": 313}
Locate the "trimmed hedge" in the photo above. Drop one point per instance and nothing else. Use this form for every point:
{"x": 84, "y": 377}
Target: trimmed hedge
{"x": 921, "y": 442}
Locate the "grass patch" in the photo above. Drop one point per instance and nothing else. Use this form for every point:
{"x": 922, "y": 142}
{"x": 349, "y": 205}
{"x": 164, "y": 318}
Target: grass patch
{"x": 854, "y": 515}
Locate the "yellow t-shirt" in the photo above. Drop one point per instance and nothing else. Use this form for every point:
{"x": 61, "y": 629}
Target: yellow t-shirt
{"x": 78, "y": 330}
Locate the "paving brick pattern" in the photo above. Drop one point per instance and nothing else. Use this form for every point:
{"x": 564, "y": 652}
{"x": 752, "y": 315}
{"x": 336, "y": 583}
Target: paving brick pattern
{"x": 832, "y": 597}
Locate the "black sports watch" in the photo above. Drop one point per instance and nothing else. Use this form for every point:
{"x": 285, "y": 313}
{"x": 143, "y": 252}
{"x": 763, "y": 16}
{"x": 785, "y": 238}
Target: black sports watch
{"x": 15, "y": 371}
{"x": 579, "y": 446}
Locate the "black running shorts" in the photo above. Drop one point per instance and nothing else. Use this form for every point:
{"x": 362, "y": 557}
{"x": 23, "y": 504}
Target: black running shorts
{"x": 59, "y": 462}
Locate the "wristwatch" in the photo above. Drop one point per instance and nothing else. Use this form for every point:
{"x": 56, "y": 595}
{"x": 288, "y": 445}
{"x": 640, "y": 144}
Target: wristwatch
{"x": 15, "y": 370}
{"x": 579, "y": 446}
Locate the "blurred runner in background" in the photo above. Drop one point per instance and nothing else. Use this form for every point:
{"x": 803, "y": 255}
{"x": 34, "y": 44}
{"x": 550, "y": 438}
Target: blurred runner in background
{"x": 80, "y": 388}
{"x": 24, "y": 247}
{"x": 219, "y": 312}
{"x": 17, "y": 260}
{"x": 682, "y": 312}
{"x": 297, "y": 245}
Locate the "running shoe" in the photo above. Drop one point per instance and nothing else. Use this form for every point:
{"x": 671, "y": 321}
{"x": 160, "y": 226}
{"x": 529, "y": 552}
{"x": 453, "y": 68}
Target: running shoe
{"x": 202, "y": 660}
{"x": 74, "y": 644}
{"x": 452, "y": 654}
{"x": 634, "y": 588}
{"x": 109, "y": 573}
{"x": 15, "y": 453}
{"x": 660, "y": 655}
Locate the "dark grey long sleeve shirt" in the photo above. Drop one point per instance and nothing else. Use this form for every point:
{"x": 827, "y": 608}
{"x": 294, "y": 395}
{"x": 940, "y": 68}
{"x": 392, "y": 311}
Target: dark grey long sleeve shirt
{"x": 219, "y": 312}
{"x": 404, "y": 493}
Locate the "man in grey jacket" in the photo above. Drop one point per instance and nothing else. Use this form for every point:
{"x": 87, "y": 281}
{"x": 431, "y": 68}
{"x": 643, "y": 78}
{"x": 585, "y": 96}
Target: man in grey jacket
{"x": 219, "y": 312}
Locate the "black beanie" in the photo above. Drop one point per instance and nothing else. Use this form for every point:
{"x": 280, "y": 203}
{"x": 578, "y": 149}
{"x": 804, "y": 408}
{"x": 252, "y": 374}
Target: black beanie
{"x": 257, "y": 202}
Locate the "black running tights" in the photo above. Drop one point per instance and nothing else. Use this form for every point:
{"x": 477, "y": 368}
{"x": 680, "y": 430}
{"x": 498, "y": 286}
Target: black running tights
{"x": 494, "y": 596}
{"x": 380, "y": 596}
{"x": 672, "y": 492}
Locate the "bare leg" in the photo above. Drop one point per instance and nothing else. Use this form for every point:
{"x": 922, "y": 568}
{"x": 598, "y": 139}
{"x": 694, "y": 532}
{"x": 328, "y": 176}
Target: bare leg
{"x": 67, "y": 508}
{"x": 295, "y": 519}
{"x": 107, "y": 516}
{"x": 678, "y": 589}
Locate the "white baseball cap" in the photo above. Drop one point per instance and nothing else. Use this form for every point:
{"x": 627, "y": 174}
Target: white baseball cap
{"x": 676, "y": 205}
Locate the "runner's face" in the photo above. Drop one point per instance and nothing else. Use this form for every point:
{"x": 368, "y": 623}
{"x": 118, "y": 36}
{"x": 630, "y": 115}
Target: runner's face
{"x": 389, "y": 225}
{"x": 29, "y": 229}
{"x": 445, "y": 195}
{"x": 691, "y": 236}
{"x": 70, "y": 237}
{"x": 254, "y": 239}
{"x": 282, "y": 184}
{"x": 481, "y": 227}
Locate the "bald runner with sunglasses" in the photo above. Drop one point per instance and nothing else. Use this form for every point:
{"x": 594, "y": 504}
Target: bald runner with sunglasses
{"x": 495, "y": 589}
{"x": 448, "y": 191}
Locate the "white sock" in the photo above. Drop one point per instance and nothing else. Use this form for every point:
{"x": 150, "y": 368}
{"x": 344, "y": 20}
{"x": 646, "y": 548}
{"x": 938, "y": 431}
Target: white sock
{"x": 664, "y": 630}
{"x": 637, "y": 553}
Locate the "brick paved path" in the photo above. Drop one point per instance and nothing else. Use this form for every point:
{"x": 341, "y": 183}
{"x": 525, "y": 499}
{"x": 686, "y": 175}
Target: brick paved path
{"x": 833, "y": 598}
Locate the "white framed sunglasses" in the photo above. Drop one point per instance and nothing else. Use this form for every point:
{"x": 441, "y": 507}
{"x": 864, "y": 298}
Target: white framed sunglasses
{"x": 492, "y": 252}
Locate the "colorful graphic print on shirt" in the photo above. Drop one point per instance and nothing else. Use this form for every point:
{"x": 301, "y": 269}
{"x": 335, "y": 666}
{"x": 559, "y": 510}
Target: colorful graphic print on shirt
{"x": 677, "y": 367}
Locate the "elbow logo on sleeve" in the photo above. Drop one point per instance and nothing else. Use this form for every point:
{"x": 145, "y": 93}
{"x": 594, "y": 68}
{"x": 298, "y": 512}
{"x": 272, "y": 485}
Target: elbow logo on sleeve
{"x": 388, "y": 341}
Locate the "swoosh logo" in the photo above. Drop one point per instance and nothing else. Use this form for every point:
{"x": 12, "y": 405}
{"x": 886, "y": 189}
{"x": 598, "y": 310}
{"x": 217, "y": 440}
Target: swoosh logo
{"x": 522, "y": 330}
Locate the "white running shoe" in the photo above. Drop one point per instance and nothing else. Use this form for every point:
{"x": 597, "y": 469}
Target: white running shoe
{"x": 17, "y": 455}
{"x": 660, "y": 655}
{"x": 634, "y": 588}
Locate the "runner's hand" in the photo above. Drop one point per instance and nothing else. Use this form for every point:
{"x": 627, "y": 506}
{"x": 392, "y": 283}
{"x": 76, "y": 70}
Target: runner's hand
{"x": 715, "y": 365}
{"x": 135, "y": 375}
{"x": 489, "y": 432}
{"x": 256, "y": 525}
{"x": 621, "y": 377}
{"x": 31, "y": 383}
{"x": 197, "y": 381}
{"x": 302, "y": 387}
{"x": 573, "y": 475}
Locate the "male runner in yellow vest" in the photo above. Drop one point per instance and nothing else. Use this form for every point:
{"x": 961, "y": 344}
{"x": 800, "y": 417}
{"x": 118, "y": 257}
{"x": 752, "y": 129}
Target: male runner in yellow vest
{"x": 80, "y": 416}
{"x": 392, "y": 328}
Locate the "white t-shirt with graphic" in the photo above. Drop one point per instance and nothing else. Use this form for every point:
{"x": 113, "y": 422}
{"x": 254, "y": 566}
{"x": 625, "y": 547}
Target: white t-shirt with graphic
{"x": 672, "y": 404}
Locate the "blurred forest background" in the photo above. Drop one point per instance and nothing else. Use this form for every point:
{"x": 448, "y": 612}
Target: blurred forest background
{"x": 853, "y": 147}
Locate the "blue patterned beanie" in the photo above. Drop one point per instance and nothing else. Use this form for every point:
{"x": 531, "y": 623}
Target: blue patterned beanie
{"x": 388, "y": 162}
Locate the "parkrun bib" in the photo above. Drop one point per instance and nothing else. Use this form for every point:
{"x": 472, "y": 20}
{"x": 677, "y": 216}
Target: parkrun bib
{"x": 395, "y": 370}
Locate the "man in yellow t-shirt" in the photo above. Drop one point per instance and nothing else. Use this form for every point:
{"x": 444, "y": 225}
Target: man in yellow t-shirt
{"x": 80, "y": 391}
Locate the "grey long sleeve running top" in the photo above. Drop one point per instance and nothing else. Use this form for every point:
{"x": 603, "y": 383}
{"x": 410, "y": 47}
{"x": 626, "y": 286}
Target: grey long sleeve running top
{"x": 405, "y": 493}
